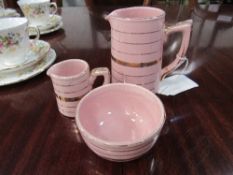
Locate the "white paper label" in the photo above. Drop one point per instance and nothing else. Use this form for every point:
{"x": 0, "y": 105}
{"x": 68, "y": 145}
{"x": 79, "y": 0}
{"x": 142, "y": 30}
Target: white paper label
{"x": 176, "y": 84}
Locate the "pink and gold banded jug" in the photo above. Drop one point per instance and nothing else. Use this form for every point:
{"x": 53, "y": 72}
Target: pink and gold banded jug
{"x": 137, "y": 38}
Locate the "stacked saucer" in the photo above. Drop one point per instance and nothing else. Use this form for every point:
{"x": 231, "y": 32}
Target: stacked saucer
{"x": 8, "y": 12}
{"x": 53, "y": 24}
{"x": 38, "y": 57}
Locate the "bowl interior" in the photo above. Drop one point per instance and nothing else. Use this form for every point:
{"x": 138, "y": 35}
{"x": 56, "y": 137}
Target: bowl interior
{"x": 120, "y": 113}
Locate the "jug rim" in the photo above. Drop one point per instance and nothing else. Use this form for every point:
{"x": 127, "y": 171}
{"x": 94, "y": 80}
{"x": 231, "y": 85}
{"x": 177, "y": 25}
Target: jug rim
{"x": 139, "y": 19}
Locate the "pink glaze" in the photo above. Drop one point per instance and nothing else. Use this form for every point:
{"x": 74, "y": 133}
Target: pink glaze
{"x": 137, "y": 58}
{"x": 137, "y": 71}
{"x": 120, "y": 114}
{"x": 137, "y": 20}
{"x": 138, "y": 35}
{"x": 69, "y": 72}
{"x": 66, "y": 113}
{"x": 139, "y": 49}
{"x": 120, "y": 155}
{"x": 69, "y": 68}
{"x": 150, "y": 86}
{"x": 67, "y": 89}
{"x": 71, "y": 80}
{"x": 121, "y": 149}
{"x": 137, "y": 38}
{"x": 147, "y": 77}
{"x": 132, "y": 79}
{"x": 73, "y": 93}
{"x": 65, "y": 104}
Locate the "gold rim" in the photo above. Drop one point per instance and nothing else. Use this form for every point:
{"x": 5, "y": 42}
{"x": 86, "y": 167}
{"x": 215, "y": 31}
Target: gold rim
{"x": 136, "y": 64}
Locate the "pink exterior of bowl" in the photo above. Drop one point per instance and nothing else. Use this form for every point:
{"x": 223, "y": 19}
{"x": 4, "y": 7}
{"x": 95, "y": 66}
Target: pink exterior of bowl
{"x": 122, "y": 149}
{"x": 88, "y": 120}
{"x": 121, "y": 156}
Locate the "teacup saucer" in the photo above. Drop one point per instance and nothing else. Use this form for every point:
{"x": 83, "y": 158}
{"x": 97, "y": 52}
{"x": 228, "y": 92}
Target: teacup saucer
{"x": 54, "y": 23}
{"x": 59, "y": 26}
{"x": 29, "y": 72}
{"x": 37, "y": 51}
{"x": 8, "y": 12}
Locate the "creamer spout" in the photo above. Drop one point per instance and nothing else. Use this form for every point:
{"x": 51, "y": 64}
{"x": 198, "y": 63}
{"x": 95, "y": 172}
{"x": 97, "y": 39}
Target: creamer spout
{"x": 107, "y": 16}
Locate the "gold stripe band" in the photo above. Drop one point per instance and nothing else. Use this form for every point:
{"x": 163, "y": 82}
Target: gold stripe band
{"x": 146, "y": 83}
{"x": 71, "y": 84}
{"x": 67, "y": 99}
{"x": 128, "y": 53}
{"x": 152, "y": 42}
{"x": 118, "y": 81}
{"x": 135, "y": 64}
{"x": 137, "y": 76}
{"x": 138, "y": 33}
{"x": 71, "y": 91}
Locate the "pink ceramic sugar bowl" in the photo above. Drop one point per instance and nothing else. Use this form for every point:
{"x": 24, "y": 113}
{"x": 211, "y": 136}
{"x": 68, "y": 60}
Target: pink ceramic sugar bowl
{"x": 120, "y": 122}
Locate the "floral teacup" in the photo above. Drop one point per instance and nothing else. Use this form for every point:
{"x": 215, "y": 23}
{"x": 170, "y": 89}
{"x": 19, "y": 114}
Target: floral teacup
{"x": 1, "y": 8}
{"x": 14, "y": 40}
{"x": 38, "y": 12}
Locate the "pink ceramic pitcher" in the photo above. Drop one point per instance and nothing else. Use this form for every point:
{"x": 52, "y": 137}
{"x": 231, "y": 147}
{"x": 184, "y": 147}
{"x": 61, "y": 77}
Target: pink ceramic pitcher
{"x": 137, "y": 38}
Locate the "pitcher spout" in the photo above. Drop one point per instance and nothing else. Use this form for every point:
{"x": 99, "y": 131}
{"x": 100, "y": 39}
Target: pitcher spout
{"x": 106, "y": 17}
{"x": 109, "y": 16}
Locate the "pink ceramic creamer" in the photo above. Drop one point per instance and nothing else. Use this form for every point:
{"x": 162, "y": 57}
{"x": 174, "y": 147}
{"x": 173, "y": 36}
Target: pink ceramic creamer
{"x": 71, "y": 80}
{"x": 137, "y": 38}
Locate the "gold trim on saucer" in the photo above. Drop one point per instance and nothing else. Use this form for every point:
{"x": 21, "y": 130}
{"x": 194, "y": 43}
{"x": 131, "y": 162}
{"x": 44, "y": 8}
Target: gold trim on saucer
{"x": 135, "y": 64}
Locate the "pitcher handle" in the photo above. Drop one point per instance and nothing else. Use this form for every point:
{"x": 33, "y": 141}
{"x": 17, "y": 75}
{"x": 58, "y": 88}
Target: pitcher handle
{"x": 100, "y": 71}
{"x": 185, "y": 28}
